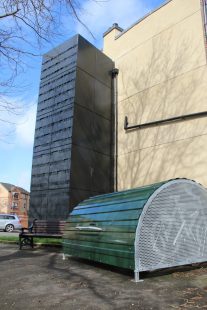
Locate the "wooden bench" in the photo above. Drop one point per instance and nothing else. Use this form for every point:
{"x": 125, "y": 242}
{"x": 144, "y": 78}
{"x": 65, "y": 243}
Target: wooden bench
{"x": 41, "y": 229}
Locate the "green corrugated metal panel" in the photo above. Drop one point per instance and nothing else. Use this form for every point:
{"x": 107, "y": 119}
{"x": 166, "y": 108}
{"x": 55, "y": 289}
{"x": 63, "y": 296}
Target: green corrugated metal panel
{"x": 102, "y": 228}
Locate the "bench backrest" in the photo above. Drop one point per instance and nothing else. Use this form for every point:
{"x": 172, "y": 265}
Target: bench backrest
{"x": 49, "y": 227}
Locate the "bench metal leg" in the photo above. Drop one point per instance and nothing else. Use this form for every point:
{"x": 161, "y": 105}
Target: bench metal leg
{"x": 25, "y": 240}
{"x": 20, "y": 244}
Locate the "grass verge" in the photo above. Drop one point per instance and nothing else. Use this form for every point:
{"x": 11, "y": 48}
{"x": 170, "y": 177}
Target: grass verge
{"x": 37, "y": 241}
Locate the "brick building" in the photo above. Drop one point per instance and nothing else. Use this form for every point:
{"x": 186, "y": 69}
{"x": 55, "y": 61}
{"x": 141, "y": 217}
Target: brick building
{"x": 14, "y": 200}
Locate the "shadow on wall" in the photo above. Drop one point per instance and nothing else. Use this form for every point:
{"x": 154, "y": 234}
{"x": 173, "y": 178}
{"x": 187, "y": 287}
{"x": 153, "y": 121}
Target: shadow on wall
{"x": 167, "y": 87}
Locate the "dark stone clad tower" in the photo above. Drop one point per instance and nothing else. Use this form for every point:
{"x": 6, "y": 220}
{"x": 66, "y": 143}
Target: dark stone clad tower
{"x": 72, "y": 147}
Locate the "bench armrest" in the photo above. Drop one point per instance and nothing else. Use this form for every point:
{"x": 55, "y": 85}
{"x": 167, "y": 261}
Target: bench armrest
{"x": 29, "y": 229}
{"x": 24, "y": 229}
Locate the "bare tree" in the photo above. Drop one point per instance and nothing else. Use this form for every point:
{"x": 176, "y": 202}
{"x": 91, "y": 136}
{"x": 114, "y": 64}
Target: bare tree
{"x": 25, "y": 25}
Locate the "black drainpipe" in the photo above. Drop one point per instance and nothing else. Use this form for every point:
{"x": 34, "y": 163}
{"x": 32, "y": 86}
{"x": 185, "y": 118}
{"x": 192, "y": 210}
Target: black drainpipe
{"x": 114, "y": 74}
{"x": 165, "y": 121}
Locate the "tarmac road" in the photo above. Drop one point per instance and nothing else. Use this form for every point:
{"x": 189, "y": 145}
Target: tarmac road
{"x": 11, "y": 234}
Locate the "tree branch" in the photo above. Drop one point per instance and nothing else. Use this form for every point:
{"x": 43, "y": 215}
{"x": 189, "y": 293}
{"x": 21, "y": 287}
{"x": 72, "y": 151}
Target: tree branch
{"x": 10, "y": 14}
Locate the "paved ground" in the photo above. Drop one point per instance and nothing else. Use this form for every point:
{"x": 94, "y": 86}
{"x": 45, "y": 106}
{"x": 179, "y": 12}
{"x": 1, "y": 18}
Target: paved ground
{"x": 40, "y": 279}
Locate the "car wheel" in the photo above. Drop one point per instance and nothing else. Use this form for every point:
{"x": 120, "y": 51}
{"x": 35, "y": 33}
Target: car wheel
{"x": 9, "y": 228}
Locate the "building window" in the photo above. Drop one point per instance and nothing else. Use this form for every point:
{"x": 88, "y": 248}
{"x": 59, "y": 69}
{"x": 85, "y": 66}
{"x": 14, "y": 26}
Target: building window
{"x": 14, "y": 205}
{"x": 15, "y": 195}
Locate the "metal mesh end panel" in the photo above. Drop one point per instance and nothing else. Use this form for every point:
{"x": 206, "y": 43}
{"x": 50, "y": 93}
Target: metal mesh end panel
{"x": 172, "y": 229}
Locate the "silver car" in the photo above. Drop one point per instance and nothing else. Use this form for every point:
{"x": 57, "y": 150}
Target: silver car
{"x": 9, "y": 222}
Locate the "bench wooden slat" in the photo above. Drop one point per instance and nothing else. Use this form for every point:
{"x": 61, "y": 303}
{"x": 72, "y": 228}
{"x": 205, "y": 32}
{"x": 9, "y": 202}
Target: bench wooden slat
{"x": 41, "y": 229}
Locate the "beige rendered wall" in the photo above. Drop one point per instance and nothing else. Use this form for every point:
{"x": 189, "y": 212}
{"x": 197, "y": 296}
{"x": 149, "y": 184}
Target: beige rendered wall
{"x": 4, "y": 199}
{"x": 162, "y": 74}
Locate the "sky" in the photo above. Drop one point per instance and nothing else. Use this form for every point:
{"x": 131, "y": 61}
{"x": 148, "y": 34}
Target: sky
{"x": 17, "y": 129}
